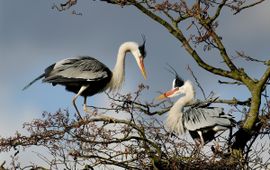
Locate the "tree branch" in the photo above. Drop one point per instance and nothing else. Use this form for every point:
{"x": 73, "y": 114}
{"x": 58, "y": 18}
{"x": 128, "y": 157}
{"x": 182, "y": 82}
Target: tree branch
{"x": 233, "y": 83}
{"x": 217, "y": 13}
{"x": 247, "y": 6}
{"x": 265, "y": 77}
{"x": 196, "y": 80}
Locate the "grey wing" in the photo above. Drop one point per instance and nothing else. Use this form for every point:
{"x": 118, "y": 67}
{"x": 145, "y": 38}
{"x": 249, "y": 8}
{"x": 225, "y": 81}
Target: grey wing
{"x": 76, "y": 69}
{"x": 199, "y": 118}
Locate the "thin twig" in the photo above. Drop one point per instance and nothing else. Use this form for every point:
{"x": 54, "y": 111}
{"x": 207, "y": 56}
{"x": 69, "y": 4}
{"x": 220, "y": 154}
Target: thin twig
{"x": 226, "y": 82}
{"x": 196, "y": 80}
{"x": 248, "y": 6}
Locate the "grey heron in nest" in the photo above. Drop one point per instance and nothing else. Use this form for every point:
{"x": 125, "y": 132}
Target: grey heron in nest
{"x": 202, "y": 122}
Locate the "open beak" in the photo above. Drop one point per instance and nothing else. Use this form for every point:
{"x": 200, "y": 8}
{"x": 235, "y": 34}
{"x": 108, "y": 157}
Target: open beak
{"x": 166, "y": 94}
{"x": 141, "y": 65}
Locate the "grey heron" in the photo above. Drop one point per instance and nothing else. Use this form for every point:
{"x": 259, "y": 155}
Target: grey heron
{"x": 201, "y": 122}
{"x": 86, "y": 76}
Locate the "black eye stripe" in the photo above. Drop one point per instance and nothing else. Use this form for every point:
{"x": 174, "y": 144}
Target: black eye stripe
{"x": 178, "y": 81}
{"x": 142, "y": 47}
{"x": 142, "y": 50}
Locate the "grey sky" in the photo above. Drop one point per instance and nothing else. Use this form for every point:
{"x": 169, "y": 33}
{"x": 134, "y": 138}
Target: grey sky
{"x": 33, "y": 36}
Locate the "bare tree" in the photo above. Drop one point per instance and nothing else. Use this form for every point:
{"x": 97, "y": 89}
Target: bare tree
{"x": 140, "y": 141}
{"x": 203, "y": 15}
{"x": 136, "y": 140}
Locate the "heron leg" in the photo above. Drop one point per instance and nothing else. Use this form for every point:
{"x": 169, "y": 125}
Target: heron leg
{"x": 108, "y": 118}
{"x": 85, "y": 108}
{"x": 75, "y": 97}
{"x": 84, "y": 104}
{"x": 201, "y": 137}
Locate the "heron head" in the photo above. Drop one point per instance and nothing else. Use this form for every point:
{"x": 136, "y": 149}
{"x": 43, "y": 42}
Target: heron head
{"x": 140, "y": 54}
{"x": 177, "y": 88}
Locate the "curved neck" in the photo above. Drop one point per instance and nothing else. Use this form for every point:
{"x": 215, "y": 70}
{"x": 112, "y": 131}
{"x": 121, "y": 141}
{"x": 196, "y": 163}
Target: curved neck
{"x": 174, "y": 120}
{"x": 118, "y": 73}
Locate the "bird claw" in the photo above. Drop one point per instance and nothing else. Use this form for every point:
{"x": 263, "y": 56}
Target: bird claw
{"x": 85, "y": 109}
{"x": 89, "y": 111}
{"x": 217, "y": 148}
{"x": 197, "y": 143}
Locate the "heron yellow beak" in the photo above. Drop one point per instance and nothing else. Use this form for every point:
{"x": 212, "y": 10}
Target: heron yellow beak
{"x": 160, "y": 97}
{"x": 167, "y": 94}
{"x": 142, "y": 68}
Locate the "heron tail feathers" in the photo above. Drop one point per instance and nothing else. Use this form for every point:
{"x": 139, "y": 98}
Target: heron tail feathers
{"x": 32, "y": 82}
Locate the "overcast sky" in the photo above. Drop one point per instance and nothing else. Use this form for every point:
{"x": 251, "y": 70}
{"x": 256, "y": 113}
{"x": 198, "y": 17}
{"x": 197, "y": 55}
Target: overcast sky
{"x": 33, "y": 36}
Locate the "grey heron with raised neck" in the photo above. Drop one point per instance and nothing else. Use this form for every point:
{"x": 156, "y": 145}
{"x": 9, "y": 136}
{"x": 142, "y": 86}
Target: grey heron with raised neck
{"x": 202, "y": 122}
{"x": 85, "y": 76}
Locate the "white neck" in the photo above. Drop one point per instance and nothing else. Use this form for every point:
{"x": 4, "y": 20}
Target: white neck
{"x": 118, "y": 73}
{"x": 174, "y": 120}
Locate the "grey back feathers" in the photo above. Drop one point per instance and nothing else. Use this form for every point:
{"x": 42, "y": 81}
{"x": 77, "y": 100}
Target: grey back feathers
{"x": 76, "y": 69}
{"x": 79, "y": 69}
{"x": 203, "y": 118}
